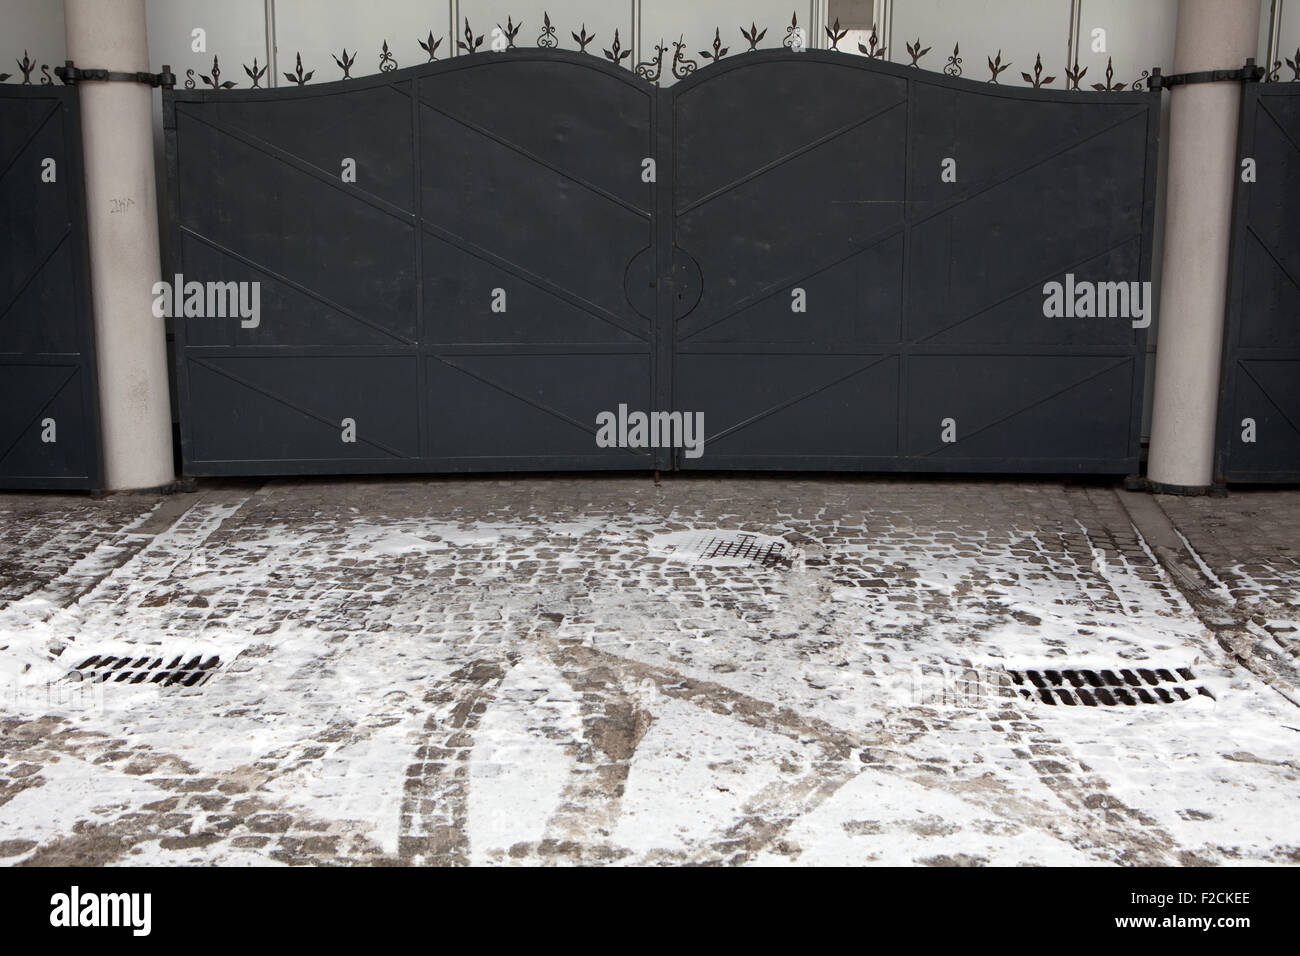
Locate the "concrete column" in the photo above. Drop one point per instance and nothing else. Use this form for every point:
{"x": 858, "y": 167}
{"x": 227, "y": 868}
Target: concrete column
{"x": 122, "y": 219}
{"x": 1203, "y": 165}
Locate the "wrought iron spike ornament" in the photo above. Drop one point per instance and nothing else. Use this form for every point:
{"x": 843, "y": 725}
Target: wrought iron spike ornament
{"x": 996, "y": 66}
{"x": 510, "y": 31}
{"x": 345, "y": 63}
{"x": 471, "y": 43}
{"x": 653, "y": 69}
{"x": 1038, "y": 80}
{"x": 547, "y": 39}
{"x": 214, "y": 80}
{"x": 430, "y": 46}
{"x": 835, "y": 34}
{"x": 583, "y": 39}
{"x": 719, "y": 51}
{"x": 953, "y": 66}
{"x": 791, "y": 32}
{"x": 616, "y": 54}
{"x": 254, "y": 73}
{"x": 1108, "y": 86}
{"x": 871, "y": 49}
{"x": 298, "y": 76}
{"x": 682, "y": 66}
{"x": 26, "y": 64}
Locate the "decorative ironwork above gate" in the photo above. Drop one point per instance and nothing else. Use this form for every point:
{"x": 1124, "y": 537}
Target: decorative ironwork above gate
{"x": 680, "y": 64}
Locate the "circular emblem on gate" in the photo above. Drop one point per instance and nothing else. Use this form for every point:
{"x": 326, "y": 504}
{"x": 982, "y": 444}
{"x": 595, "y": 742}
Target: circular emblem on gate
{"x": 643, "y": 287}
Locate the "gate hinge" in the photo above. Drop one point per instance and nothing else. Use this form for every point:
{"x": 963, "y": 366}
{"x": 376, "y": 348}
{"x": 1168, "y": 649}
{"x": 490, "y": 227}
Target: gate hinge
{"x": 71, "y": 75}
{"x": 1250, "y": 73}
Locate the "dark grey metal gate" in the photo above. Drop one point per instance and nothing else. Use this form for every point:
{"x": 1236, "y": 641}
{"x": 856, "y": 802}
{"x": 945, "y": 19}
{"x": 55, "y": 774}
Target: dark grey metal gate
{"x": 797, "y": 268}
{"x": 821, "y": 178}
{"x": 49, "y": 422}
{"x": 463, "y": 305}
{"x": 1259, "y": 423}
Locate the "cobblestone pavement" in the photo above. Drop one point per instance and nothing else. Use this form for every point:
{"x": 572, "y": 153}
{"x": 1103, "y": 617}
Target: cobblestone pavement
{"x": 1248, "y": 550}
{"x": 534, "y": 670}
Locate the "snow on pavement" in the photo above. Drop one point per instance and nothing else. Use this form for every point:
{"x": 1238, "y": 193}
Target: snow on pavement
{"x": 528, "y": 672}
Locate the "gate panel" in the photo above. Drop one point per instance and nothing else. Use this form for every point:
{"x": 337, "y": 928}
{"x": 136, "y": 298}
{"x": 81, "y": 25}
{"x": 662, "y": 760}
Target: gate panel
{"x": 49, "y": 422}
{"x": 543, "y": 200}
{"x": 819, "y": 177}
{"x": 780, "y": 184}
{"x": 464, "y": 304}
{"x": 1259, "y": 426}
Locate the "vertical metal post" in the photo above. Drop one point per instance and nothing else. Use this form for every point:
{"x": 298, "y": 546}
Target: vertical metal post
{"x": 663, "y": 337}
{"x": 1274, "y": 35}
{"x": 1072, "y": 42}
{"x": 272, "y": 73}
{"x": 883, "y": 17}
{"x": 635, "y": 45}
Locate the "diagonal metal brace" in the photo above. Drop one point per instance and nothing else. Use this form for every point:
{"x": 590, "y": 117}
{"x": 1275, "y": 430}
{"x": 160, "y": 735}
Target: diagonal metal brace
{"x": 1250, "y": 73}
{"x": 70, "y": 74}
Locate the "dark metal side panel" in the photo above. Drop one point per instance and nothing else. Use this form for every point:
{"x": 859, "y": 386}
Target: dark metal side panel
{"x": 1260, "y": 392}
{"x": 49, "y": 421}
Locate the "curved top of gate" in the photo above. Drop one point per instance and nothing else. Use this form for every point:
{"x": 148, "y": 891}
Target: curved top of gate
{"x": 1037, "y": 88}
{"x": 306, "y": 88}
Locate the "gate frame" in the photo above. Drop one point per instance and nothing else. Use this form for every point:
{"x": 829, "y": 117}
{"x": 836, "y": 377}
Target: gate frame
{"x": 663, "y": 340}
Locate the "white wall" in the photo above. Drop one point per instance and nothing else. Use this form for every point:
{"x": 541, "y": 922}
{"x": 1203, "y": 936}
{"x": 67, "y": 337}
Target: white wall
{"x": 235, "y": 30}
{"x": 1138, "y": 36}
{"x": 35, "y": 26}
{"x": 600, "y": 17}
{"x": 669, "y": 20}
{"x": 1020, "y": 30}
{"x": 321, "y": 29}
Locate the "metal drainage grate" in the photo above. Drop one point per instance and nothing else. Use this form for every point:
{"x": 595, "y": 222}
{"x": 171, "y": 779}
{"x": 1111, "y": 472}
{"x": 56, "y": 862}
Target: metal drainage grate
{"x": 736, "y": 549}
{"x": 191, "y": 672}
{"x": 1108, "y": 688}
